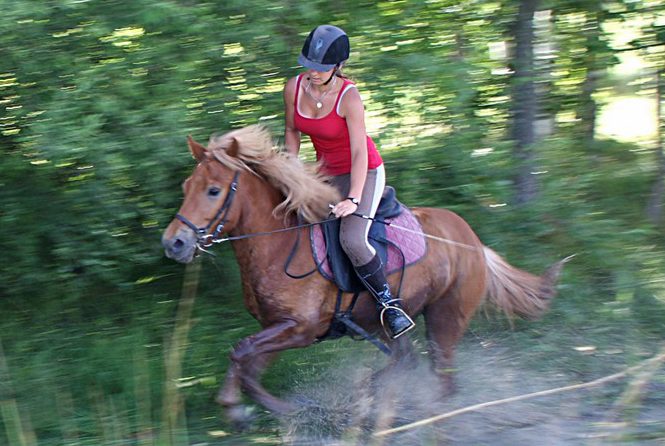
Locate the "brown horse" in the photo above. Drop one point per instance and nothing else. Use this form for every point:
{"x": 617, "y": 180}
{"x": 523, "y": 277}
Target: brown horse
{"x": 243, "y": 186}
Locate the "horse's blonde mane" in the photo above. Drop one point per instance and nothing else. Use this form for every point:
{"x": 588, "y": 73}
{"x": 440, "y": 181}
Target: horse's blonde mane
{"x": 304, "y": 190}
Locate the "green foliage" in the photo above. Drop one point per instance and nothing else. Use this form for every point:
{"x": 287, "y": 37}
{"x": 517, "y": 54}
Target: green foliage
{"x": 97, "y": 97}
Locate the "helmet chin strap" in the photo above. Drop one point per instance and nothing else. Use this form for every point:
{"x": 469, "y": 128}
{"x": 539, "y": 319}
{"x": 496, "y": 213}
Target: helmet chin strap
{"x": 332, "y": 75}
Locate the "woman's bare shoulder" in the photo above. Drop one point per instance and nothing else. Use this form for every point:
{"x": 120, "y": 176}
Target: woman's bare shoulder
{"x": 290, "y": 85}
{"x": 351, "y": 102}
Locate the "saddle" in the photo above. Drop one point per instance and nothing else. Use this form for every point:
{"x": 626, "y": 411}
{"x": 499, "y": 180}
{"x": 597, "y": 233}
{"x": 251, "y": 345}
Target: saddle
{"x": 396, "y": 245}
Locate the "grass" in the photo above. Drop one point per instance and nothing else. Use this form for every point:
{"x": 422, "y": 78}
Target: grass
{"x": 151, "y": 379}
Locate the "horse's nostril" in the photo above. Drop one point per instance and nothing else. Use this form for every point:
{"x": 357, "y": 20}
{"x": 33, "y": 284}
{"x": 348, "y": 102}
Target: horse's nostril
{"x": 178, "y": 243}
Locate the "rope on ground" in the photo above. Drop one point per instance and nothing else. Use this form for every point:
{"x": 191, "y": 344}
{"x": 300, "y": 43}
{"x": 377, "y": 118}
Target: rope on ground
{"x": 659, "y": 358}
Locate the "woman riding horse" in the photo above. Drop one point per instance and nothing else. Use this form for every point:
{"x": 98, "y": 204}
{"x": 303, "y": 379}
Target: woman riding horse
{"x": 246, "y": 192}
{"x": 244, "y": 188}
{"x": 327, "y": 107}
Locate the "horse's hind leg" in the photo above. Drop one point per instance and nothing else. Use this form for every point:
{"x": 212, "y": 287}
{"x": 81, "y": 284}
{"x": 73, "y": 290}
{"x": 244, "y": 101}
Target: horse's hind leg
{"x": 378, "y": 397}
{"x": 446, "y": 319}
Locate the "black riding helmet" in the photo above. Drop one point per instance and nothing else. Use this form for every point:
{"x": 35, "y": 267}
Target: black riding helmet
{"x": 326, "y": 47}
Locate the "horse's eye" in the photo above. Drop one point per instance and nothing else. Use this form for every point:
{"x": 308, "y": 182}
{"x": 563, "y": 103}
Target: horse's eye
{"x": 213, "y": 191}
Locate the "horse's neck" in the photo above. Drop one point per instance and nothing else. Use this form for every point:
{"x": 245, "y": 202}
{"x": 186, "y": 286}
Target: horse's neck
{"x": 257, "y": 249}
{"x": 264, "y": 259}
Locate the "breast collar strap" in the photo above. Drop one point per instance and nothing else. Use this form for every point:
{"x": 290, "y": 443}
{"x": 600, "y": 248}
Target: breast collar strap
{"x": 205, "y": 238}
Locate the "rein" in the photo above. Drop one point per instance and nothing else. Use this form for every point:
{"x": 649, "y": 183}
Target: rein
{"x": 206, "y": 239}
{"x": 276, "y": 231}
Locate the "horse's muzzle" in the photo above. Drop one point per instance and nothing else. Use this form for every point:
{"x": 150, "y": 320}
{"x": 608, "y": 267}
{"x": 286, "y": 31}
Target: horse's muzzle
{"x": 181, "y": 247}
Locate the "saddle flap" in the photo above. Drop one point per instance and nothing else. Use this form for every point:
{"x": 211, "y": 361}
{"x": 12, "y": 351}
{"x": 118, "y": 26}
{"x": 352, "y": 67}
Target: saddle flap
{"x": 339, "y": 267}
{"x": 389, "y": 207}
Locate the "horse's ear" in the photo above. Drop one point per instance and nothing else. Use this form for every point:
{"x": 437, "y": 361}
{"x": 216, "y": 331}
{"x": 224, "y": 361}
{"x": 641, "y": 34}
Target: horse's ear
{"x": 233, "y": 148}
{"x": 196, "y": 149}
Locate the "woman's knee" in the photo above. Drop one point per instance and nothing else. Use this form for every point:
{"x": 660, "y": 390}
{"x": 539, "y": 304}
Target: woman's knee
{"x": 357, "y": 249}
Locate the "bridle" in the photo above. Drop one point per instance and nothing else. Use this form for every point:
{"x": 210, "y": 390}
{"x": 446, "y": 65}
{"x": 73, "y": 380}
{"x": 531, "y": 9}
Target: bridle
{"x": 205, "y": 238}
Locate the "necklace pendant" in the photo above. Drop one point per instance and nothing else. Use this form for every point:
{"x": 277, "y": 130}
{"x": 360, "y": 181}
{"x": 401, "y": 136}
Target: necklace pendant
{"x": 319, "y": 105}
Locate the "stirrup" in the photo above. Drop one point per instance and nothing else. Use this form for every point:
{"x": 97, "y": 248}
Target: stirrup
{"x": 386, "y": 307}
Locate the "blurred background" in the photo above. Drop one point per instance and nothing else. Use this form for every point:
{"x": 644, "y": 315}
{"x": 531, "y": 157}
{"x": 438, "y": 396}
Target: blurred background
{"x": 540, "y": 123}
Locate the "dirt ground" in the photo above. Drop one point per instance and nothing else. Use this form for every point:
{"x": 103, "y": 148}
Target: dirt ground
{"x": 627, "y": 410}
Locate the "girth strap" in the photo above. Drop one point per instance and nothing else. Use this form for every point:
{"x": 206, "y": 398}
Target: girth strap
{"x": 345, "y": 318}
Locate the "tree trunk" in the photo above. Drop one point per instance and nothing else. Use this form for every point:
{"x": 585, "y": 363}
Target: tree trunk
{"x": 587, "y": 111}
{"x": 588, "y": 108}
{"x": 524, "y": 104}
{"x": 654, "y": 208}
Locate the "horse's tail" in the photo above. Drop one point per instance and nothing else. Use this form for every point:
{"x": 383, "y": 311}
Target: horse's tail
{"x": 517, "y": 292}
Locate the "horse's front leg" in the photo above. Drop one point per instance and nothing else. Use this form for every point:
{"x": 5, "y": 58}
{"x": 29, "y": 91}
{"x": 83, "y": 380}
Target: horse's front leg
{"x": 229, "y": 395}
{"x": 250, "y": 356}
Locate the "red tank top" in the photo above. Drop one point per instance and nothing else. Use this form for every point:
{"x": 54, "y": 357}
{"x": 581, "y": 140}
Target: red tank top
{"x": 330, "y": 137}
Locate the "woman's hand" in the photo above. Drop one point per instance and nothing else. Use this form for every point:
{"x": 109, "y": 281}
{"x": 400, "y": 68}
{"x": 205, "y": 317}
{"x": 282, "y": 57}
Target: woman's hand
{"x": 344, "y": 208}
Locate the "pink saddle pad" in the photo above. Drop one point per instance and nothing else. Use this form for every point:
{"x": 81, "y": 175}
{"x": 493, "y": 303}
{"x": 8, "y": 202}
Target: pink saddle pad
{"x": 406, "y": 244}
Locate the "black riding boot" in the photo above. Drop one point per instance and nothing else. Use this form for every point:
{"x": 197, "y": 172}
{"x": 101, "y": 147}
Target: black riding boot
{"x": 374, "y": 278}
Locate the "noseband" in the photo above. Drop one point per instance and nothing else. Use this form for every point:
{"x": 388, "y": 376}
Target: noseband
{"x": 205, "y": 238}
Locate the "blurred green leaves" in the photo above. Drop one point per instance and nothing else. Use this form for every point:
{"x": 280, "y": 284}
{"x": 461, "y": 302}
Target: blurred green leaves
{"x": 97, "y": 97}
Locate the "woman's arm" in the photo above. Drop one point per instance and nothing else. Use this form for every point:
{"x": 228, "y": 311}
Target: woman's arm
{"x": 291, "y": 135}
{"x": 353, "y": 110}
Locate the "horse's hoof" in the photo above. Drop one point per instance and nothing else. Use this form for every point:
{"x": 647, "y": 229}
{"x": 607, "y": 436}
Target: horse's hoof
{"x": 240, "y": 416}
